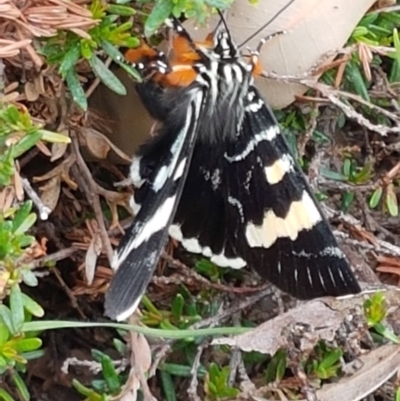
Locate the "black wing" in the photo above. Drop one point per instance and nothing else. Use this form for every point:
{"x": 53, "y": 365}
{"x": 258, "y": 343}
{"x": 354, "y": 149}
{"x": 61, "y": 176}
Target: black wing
{"x": 159, "y": 171}
{"x": 248, "y": 203}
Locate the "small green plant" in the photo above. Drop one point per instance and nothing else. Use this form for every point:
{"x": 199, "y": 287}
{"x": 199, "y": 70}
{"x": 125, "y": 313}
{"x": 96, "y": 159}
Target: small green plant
{"x": 325, "y": 362}
{"x": 182, "y": 314}
{"x": 276, "y": 368}
{"x": 105, "y": 388}
{"x": 18, "y": 134}
{"x": 17, "y": 347}
{"x": 216, "y": 383}
{"x": 375, "y": 311}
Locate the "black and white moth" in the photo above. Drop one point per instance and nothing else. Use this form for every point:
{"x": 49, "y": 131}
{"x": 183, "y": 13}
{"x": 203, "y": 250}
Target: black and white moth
{"x": 219, "y": 177}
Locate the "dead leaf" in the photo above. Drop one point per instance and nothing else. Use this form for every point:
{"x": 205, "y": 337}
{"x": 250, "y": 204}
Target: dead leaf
{"x": 267, "y": 338}
{"x": 93, "y": 252}
{"x": 99, "y": 145}
{"x": 96, "y": 143}
{"x": 31, "y": 92}
{"x": 19, "y": 190}
{"x": 50, "y": 192}
{"x": 142, "y": 352}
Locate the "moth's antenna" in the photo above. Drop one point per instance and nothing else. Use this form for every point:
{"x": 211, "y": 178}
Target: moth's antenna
{"x": 267, "y": 23}
{"x": 222, "y": 21}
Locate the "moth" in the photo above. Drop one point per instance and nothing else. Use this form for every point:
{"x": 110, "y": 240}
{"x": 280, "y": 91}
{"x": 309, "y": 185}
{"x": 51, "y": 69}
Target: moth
{"x": 220, "y": 178}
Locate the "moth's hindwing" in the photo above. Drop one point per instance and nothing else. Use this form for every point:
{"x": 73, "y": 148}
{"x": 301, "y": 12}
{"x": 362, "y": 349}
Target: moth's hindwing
{"x": 248, "y": 204}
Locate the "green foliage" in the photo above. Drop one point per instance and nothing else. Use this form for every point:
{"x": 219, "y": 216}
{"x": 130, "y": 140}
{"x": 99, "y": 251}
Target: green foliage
{"x": 325, "y": 362}
{"x": 182, "y": 314}
{"x": 216, "y": 383}
{"x": 109, "y": 385}
{"x": 199, "y": 10}
{"x": 210, "y": 270}
{"x": 276, "y": 368}
{"x": 17, "y": 347}
{"x": 67, "y": 49}
{"x": 375, "y": 311}
{"x": 387, "y": 198}
{"x": 18, "y": 134}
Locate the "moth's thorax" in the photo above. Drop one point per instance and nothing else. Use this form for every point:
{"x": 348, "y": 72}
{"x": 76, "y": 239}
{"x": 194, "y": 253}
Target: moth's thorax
{"x": 225, "y": 84}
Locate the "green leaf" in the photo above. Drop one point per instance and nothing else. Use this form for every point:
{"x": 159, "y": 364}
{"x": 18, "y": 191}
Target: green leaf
{"x": 28, "y": 344}
{"x": 32, "y": 306}
{"x": 41, "y": 325}
{"x": 387, "y": 332}
{"x": 5, "y": 396}
{"x": 4, "y": 333}
{"x": 347, "y": 168}
{"x": 376, "y": 198}
{"x": 219, "y": 4}
{"x": 124, "y": 11}
{"x": 161, "y": 11}
{"x": 331, "y": 358}
{"x": 29, "y": 278}
{"x": 77, "y": 92}
{"x": 177, "y": 306}
{"x": 354, "y": 75}
{"x": 347, "y": 200}
{"x": 70, "y": 59}
{"x": 54, "y": 137}
{"x": 110, "y": 375}
{"x": 391, "y": 201}
{"x": 106, "y": 76}
{"x": 332, "y": 175}
{"x": 21, "y": 386}
{"x": 175, "y": 369}
{"x": 86, "y": 49}
{"x": 118, "y": 57}
{"x": 26, "y": 224}
{"x": 26, "y": 143}
{"x": 16, "y": 308}
{"x": 168, "y": 386}
{"x": 5, "y": 315}
{"x": 21, "y": 215}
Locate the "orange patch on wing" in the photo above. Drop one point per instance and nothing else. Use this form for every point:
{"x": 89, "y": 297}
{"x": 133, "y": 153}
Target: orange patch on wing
{"x": 141, "y": 52}
{"x": 180, "y": 76}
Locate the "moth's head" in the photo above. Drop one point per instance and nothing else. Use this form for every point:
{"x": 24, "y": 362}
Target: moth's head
{"x": 219, "y": 43}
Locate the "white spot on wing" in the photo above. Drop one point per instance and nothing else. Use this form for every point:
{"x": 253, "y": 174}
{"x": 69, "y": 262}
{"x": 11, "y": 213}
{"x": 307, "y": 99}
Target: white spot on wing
{"x": 216, "y": 179}
{"x": 161, "y": 178}
{"x": 267, "y": 135}
{"x": 137, "y": 179}
{"x": 125, "y": 314}
{"x": 154, "y": 224}
{"x": 277, "y": 170}
{"x": 193, "y": 245}
{"x": 233, "y": 201}
{"x": 134, "y": 206}
{"x": 302, "y": 215}
{"x": 179, "y": 171}
{"x": 222, "y": 261}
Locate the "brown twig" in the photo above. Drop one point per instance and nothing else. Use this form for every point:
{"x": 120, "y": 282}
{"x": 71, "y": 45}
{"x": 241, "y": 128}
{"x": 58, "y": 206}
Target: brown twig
{"x": 44, "y": 211}
{"x": 71, "y": 296}
{"x": 92, "y": 196}
{"x": 54, "y": 257}
{"x": 192, "y": 390}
